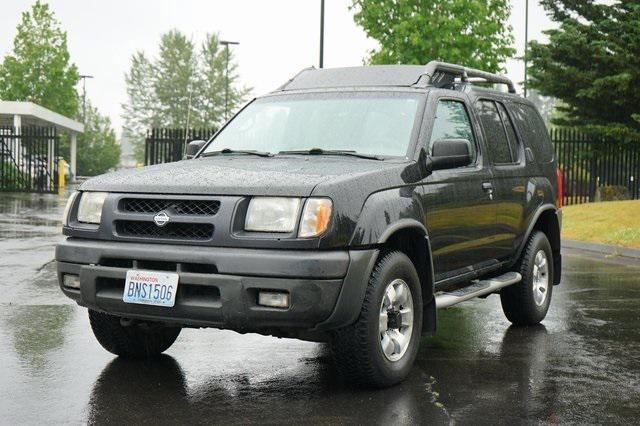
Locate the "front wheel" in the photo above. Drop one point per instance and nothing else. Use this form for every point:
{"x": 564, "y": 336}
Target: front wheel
{"x": 135, "y": 340}
{"x": 379, "y": 349}
{"x": 527, "y": 302}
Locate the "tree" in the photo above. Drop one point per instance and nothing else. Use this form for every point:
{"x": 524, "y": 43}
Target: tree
{"x": 175, "y": 79}
{"x": 141, "y": 111}
{"x": 213, "y": 82}
{"x": 591, "y": 64}
{"x": 471, "y": 33}
{"x": 97, "y": 148}
{"x": 39, "y": 68}
{"x": 182, "y": 87}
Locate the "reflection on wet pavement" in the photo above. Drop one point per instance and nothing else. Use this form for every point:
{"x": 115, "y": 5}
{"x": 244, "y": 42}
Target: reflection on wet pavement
{"x": 580, "y": 366}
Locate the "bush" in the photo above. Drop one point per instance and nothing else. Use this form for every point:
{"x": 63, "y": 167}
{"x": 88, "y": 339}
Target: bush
{"x": 10, "y": 176}
{"x": 612, "y": 193}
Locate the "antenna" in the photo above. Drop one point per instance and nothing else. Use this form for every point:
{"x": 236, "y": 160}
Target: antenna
{"x": 186, "y": 129}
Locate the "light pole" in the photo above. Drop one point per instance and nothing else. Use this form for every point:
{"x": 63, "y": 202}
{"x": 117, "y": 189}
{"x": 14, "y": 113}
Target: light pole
{"x": 526, "y": 43}
{"x": 84, "y": 97}
{"x": 226, "y": 86}
{"x": 321, "y": 33}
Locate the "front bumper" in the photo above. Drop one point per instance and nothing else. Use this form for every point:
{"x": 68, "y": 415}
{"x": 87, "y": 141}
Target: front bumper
{"x": 218, "y": 286}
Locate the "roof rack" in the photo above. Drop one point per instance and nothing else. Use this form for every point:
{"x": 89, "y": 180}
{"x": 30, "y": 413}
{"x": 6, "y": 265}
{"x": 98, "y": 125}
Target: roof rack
{"x": 442, "y": 74}
{"x": 284, "y": 86}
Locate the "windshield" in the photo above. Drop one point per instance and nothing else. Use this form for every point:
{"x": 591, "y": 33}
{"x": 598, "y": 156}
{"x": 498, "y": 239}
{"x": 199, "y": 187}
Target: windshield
{"x": 367, "y": 123}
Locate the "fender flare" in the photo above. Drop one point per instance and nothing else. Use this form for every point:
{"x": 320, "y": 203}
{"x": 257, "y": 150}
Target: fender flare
{"x": 543, "y": 208}
{"x": 555, "y": 244}
{"x": 402, "y": 224}
{"x": 429, "y": 314}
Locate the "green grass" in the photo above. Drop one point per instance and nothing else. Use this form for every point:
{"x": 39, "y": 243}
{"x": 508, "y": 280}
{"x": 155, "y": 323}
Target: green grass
{"x": 611, "y": 222}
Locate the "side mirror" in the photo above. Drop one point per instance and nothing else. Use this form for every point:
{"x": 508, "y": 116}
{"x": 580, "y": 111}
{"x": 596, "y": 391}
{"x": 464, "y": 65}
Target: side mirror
{"x": 193, "y": 147}
{"x": 450, "y": 153}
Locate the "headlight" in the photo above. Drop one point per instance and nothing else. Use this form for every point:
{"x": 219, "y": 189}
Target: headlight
{"x": 67, "y": 209}
{"x": 315, "y": 217}
{"x": 272, "y": 214}
{"x": 90, "y": 208}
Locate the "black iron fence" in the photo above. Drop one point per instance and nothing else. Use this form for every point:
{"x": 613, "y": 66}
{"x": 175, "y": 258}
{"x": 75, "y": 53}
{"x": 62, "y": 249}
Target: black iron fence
{"x": 587, "y": 163}
{"x": 590, "y": 165}
{"x": 28, "y": 159}
{"x": 164, "y": 145}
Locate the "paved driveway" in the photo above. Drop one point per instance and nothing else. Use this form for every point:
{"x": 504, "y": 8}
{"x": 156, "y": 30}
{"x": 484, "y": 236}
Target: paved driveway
{"x": 581, "y": 366}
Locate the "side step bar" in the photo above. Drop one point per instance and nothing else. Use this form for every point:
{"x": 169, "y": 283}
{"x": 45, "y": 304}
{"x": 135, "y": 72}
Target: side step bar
{"x": 477, "y": 289}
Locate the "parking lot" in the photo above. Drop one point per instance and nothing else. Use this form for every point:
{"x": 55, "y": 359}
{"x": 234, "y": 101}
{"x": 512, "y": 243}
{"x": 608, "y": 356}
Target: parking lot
{"x": 581, "y": 366}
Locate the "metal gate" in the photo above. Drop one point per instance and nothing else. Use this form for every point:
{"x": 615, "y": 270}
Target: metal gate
{"x": 164, "y": 145}
{"x": 28, "y": 159}
{"x": 589, "y": 164}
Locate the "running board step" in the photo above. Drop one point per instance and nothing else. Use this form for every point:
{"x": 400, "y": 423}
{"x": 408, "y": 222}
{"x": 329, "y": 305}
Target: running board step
{"x": 477, "y": 289}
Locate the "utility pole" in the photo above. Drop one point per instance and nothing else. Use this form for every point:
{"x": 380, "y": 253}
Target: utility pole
{"x": 526, "y": 43}
{"x": 84, "y": 97}
{"x": 321, "y": 33}
{"x": 226, "y": 86}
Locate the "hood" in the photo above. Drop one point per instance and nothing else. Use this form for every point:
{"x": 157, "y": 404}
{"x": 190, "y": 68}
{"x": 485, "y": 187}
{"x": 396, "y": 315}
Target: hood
{"x": 238, "y": 175}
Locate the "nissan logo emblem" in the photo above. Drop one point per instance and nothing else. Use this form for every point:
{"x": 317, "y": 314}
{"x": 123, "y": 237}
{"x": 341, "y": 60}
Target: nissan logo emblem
{"x": 161, "y": 219}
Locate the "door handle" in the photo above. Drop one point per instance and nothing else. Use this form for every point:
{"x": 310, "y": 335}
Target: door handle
{"x": 488, "y": 188}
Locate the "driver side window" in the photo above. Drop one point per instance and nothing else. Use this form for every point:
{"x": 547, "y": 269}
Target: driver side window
{"x": 452, "y": 122}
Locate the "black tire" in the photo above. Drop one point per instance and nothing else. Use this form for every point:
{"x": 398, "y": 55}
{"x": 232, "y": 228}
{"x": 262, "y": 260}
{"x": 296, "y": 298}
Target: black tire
{"x": 357, "y": 349}
{"x": 137, "y": 340}
{"x": 519, "y": 301}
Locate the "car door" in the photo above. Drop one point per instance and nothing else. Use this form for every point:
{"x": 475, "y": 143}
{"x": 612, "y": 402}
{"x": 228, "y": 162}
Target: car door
{"x": 460, "y": 211}
{"x": 507, "y": 159}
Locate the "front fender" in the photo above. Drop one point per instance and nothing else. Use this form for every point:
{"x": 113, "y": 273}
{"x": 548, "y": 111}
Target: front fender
{"x": 387, "y": 211}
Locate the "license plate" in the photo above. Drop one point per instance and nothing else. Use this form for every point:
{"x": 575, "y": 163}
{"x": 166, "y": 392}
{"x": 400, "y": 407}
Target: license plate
{"x": 150, "y": 288}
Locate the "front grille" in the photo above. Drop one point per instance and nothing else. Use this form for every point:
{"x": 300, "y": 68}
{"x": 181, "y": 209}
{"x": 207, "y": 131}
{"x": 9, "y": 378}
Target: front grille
{"x": 177, "y": 207}
{"x": 171, "y": 231}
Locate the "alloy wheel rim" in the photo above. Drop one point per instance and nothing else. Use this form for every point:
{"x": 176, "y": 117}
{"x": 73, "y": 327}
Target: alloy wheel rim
{"x": 540, "y": 278}
{"x": 395, "y": 323}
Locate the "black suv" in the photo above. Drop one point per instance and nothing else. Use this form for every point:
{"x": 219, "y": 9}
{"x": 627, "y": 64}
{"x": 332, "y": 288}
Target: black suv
{"x": 347, "y": 206}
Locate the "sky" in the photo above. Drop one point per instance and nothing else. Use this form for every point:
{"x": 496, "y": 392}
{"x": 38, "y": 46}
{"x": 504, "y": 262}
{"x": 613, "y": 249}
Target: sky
{"x": 277, "y": 37}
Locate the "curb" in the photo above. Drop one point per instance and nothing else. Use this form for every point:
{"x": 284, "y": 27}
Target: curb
{"x": 605, "y": 249}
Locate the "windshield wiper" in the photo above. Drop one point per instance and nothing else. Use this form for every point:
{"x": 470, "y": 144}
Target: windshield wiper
{"x": 237, "y": 151}
{"x": 320, "y": 151}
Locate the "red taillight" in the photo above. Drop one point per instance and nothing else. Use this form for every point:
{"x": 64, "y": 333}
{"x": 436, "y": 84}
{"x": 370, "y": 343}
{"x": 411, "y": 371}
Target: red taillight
{"x": 560, "y": 186}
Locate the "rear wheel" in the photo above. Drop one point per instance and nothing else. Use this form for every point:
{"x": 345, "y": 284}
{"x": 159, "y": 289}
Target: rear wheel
{"x": 527, "y": 302}
{"x": 135, "y": 340}
{"x": 379, "y": 349}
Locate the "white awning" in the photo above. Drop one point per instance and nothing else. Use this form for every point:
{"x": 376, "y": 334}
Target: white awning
{"x": 32, "y": 114}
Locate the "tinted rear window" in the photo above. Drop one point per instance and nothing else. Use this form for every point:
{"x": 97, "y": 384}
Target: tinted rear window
{"x": 496, "y": 138}
{"x": 511, "y": 133}
{"x": 533, "y": 130}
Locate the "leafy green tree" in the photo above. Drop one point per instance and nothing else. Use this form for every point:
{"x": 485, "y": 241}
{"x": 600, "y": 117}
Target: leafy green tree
{"x": 141, "y": 110}
{"x": 213, "y": 81}
{"x": 97, "y": 148}
{"x": 182, "y": 87}
{"x": 39, "y": 69}
{"x": 175, "y": 79}
{"x": 591, "y": 64}
{"x": 471, "y": 33}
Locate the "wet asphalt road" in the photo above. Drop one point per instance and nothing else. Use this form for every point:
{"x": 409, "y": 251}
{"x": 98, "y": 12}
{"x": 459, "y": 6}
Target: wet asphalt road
{"x": 581, "y": 366}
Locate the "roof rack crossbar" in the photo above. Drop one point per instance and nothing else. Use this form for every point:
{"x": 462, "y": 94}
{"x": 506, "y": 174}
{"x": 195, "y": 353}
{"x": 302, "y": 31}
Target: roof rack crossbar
{"x": 465, "y": 73}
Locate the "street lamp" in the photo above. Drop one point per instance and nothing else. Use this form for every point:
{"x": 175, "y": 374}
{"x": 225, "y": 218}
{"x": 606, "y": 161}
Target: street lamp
{"x": 226, "y": 88}
{"x": 321, "y": 33}
{"x": 526, "y": 43}
{"x": 84, "y": 78}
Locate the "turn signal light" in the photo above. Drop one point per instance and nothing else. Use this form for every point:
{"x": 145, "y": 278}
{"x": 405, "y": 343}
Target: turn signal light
{"x": 315, "y": 217}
